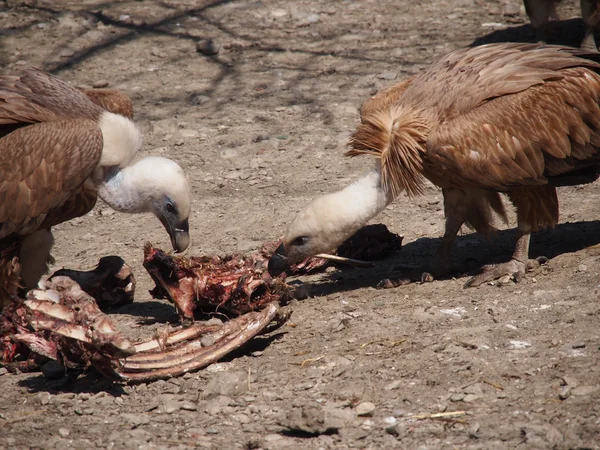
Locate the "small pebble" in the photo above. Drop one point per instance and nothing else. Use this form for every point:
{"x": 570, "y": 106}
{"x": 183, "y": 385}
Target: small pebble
{"x": 63, "y": 432}
{"x": 578, "y": 344}
{"x": 44, "y": 398}
{"x": 67, "y": 53}
{"x": 189, "y": 406}
{"x": 207, "y": 340}
{"x": 3, "y": 371}
{"x": 207, "y": 47}
{"x": 365, "y": 409}
{"x": 170, "y": 407}
{"x": 564, "y": 393}
{"x": 393, "y": 430}
{"x": 458, "y": 397}
{"x": 100, "y": 84}
{"x": 387, "y": 76}
{"x": 470, "y": 398}
{"x": 260, "y": 138}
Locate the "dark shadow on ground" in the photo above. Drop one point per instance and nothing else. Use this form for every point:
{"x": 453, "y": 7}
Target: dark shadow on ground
{"x": 560, "y": 32}
{"x": 90, "y": 383}
{"x": 470, "y": 252}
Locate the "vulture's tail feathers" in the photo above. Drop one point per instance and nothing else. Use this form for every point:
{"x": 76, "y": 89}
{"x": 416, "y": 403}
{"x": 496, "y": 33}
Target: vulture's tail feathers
{"x": 480, "y": 215}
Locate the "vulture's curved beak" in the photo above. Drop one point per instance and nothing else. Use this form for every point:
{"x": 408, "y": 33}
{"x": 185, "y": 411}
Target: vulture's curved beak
{"x": 278, "y": 263}
{"x": 180, "y": 236}
{"x": 178, "y": 232}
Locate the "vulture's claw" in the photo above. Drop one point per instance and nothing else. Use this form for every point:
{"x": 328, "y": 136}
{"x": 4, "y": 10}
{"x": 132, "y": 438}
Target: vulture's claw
{"x": 421, "y": 275}
{"x": 514, "y": 270}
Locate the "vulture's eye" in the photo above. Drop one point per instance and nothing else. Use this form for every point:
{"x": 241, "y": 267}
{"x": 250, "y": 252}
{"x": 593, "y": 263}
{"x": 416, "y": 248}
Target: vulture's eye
{"x": 300, "y": 241}
{"x": 170, "y": 207}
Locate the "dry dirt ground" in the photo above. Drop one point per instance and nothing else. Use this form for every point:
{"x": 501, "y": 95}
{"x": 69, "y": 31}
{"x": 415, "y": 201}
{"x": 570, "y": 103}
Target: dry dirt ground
{"x": 259, "y": 119}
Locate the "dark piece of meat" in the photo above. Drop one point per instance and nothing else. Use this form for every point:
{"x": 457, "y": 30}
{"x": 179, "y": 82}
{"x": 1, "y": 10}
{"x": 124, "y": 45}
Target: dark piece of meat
{"x": 111, "y": 283}
{"x": 232, "y": 285}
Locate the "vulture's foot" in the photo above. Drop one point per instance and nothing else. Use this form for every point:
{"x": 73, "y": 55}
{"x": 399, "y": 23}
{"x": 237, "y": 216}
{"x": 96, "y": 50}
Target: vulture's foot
{"x": 196, "y": 346}
{"x": 589, "y": 42}
{"x": 425, "y": 274}
{"x": 513, "y": 269}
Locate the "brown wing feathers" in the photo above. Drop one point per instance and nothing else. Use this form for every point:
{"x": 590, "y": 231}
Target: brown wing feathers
{"x": 52, "y": 164}
{"x": 51, "y": 143}
{"x": 488, "y": 117}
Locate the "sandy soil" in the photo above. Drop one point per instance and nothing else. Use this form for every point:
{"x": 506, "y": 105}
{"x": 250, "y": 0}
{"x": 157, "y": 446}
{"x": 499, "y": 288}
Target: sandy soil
{"x": 260, "y": 126}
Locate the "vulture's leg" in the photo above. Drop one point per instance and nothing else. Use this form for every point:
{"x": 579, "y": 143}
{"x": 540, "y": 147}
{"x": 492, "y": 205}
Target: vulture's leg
{"x": 457, "y": 209}
{"x": 590, "y": 12}
{"x": 539, "y": 12}
{"x": 34, "y": 256}
{"x": 537, "y": 207}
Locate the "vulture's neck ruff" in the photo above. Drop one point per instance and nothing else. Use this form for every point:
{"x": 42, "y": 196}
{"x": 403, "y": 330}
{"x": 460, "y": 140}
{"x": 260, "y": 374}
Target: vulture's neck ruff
{"x": 397, "y": 136}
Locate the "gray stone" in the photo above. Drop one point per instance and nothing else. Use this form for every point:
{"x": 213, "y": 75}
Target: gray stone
{"x": 135, "y": 419}
{"x": 100, "y": 84}
{"x": 469, "y": 398}
{"x": 314, "y": 420}
{"x": 207, "y": 47}
{"x": 216, "y": 404}
{"x": 227, "y": 384}
{"x": 189, "y": 406}
{"x": 393, "y": 385}
{"x": 365, "y": 409}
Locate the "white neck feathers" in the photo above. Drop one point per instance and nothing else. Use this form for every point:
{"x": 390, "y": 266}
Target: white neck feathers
{"x": 121, "y": 140}
{"x": 333, "y": 218}
{"x": 357, "y": 203}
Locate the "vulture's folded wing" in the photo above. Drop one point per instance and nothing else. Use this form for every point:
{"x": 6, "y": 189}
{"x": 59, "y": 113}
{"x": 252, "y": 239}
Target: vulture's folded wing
{"x": 37, "y": 96}
{"x": 41, "y": 167}
{"x": 521, "y": 139}
{"x": 466, "y": 79}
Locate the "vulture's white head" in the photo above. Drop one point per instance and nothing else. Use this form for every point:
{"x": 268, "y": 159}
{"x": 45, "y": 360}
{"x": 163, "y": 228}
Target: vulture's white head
{"x": 152, "y": 184}
{"x": 329, "y": 220}
{"x": 166, "y": 192}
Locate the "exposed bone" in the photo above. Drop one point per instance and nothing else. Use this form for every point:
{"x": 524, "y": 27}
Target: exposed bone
{"x": 64, "y": 323}
{"x": 73, "y": 330}
{"x": 347, "y": 261}
{"x": 192, "y": 356}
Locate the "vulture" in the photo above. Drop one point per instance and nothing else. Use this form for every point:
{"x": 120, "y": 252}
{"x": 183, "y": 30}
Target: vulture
{"x": 539, "y": 12}
{"x": 60, "y": 149}
{"x": 518, "y": 119}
